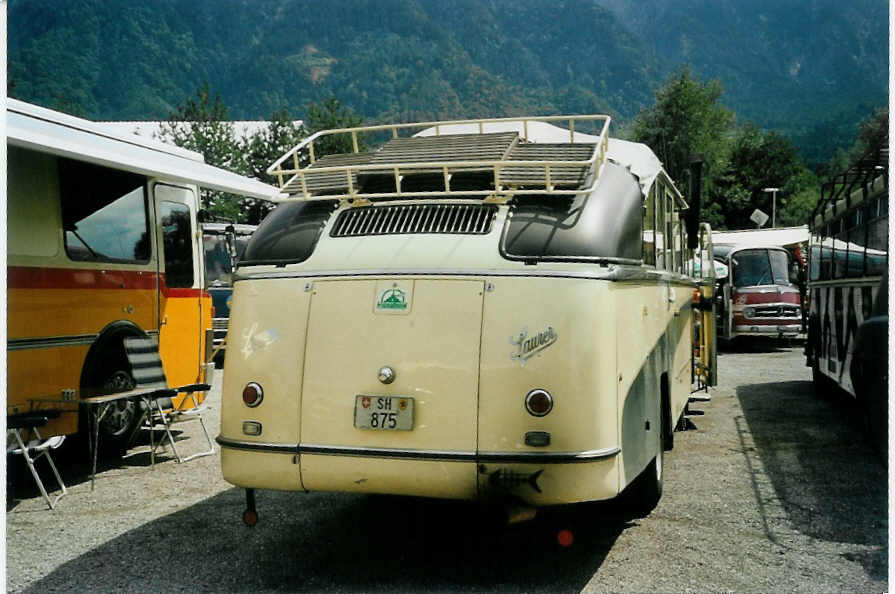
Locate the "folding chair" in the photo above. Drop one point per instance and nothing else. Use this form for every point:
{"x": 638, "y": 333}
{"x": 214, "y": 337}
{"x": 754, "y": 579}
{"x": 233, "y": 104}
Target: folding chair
{"x": 36, "y": 448}
{"x": 148, "y": 372}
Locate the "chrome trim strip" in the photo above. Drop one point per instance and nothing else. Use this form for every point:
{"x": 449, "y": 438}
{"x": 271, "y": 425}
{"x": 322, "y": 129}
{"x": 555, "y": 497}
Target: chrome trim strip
{"x": 255, "y": 446}
{"x": 762, "y": 329}
{"x": 545, "y": 457}
{"x": 430, "y": 455}
{"x": 643, "y": 273}
{"x": 614, "y": 272}
{"x": 390, "y": 272}
{"x": 443, "y": 455}
{"x": 52, "y": 342}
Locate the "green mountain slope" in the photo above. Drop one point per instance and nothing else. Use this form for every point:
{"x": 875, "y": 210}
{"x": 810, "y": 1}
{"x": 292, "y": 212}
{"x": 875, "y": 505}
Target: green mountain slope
{"x": 811, "y": 69}
{"x": 402, "y": 59}
{"x": 808, "y": 69}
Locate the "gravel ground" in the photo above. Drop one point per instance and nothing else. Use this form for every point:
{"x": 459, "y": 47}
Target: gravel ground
{"x": 774, "y": 489}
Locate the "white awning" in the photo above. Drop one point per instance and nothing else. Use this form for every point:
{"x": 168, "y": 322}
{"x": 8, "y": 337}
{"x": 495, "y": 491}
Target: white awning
{"x": 48, "y": 131}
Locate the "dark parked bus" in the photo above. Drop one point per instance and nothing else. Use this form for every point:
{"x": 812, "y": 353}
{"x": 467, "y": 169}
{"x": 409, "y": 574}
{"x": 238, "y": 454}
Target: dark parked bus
{"x": 223, "y": 244}
{"x": 848, "y": 262}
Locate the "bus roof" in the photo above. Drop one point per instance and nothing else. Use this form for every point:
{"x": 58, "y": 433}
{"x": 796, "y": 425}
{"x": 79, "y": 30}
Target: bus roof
{"x": 47, "y": 131}
{"x": 781, "y": 237}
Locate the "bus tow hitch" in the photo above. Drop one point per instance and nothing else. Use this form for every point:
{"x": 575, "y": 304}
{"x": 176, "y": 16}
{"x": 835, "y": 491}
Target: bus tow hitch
{"x": 250, "y": 515}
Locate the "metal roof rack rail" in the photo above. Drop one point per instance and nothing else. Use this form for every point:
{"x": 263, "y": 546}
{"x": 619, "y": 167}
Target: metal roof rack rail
{"x": 492, "y": 159}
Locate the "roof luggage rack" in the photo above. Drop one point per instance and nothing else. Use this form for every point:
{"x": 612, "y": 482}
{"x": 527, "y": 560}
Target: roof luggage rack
{"x": 490, "y": 159}
{"x": 868, "y": 176}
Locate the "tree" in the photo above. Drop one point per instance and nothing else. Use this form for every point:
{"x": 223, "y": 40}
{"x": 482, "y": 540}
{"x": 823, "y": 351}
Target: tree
{"x": 873, "y": 131}
{"x": 201, "y": 124}
{"x": 261, "y": 149}
{"x": 760, "y": 159}
{"x": 332, "y": 115}
{"x": 686, "y": 119}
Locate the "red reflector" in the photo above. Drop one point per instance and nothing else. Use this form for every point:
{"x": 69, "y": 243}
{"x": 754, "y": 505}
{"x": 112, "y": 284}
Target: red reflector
{"x": 250, "y": 517}
{"x": 565, "y": 538}
{"x": 252, "y": 394}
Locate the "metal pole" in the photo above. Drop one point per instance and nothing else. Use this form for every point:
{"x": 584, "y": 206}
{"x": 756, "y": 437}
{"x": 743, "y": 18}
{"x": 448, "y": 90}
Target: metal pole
{"x": 773, "y": 192}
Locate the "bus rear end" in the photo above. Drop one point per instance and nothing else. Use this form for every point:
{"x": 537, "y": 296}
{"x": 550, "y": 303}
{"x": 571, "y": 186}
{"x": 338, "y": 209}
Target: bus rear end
{"x": 456, "y": 386}
{"x": 440, "y": 335}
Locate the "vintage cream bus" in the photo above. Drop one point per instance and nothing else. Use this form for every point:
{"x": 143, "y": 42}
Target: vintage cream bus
{"x": 102, "y": 243}
{"x": 497, "y": 308}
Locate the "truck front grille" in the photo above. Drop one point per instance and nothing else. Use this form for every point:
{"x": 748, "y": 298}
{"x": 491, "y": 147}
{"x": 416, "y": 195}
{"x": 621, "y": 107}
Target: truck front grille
{"x": 773, "y": 311}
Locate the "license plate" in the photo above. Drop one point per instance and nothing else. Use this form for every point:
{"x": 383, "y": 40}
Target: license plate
{"x": 383, "y": 413}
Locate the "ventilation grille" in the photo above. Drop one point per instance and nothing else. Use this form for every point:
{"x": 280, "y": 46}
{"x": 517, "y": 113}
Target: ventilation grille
{"x": 465, "y": 219}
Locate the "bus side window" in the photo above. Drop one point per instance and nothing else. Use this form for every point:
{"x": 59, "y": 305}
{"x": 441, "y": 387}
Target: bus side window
{"x": 661, "y": 252}
{"x": 877, "y": 236}
{"x": 680, "y": 240}
{"x": 814, "y": 259}
{"x": 178, "y": 246}
{"x": 104, "y": 213}
{"x": 856, "y": 241}
{"x": 840, "y": 247}
{"x": 32, "y": 207}
{"x": 649, "y": 228}
{"x": 670, "y": 253}
{"x": 826, "y": 262}
{"x": 218, "y": 269}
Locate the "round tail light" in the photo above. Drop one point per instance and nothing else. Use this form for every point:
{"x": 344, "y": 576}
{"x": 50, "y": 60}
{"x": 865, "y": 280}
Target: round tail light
{"x": 252, "y": 394}
{"x": 538, "y": 402}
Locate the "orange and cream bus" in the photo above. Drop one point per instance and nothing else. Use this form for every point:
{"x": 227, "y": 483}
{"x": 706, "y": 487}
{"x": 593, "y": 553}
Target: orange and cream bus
{"x": 497, "y": 308}
{"x": 102, "y": 244}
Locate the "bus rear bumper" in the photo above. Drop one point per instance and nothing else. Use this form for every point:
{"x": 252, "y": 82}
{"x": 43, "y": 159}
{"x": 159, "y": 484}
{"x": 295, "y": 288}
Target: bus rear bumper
{"x": 582, "y": 476}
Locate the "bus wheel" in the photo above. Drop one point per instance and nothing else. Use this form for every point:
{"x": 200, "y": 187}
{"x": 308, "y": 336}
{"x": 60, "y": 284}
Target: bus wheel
{"x": 873, "y": 410}
{"x": 823, "y": 385}
{"x": 120, "y": 419}
{"x": 642, "y": 496}
{"x": 120, "y": 422}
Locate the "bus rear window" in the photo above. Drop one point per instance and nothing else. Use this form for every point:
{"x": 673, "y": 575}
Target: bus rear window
{"x": 288, "y": 234}
{"x": 605, "y": 224}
